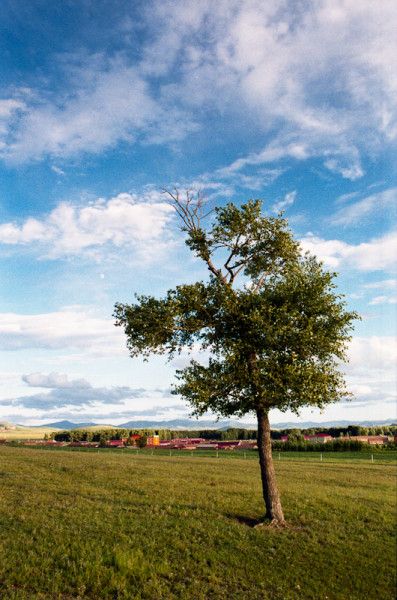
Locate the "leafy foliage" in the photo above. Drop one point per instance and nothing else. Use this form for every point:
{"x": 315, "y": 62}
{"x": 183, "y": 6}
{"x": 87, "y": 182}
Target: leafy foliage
{"x": 276, "y": 340}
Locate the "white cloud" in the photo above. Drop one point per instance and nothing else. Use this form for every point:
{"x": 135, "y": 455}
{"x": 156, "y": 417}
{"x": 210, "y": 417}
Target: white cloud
{"x": 374, "y": 352}
{"x": 106, "y": 102}
{"x": 54, "y": 380}
{"x": 9, "y": 109}
{"x": 386, "y": 284}
{"x": 57, "y": 170}
{"x": 376, "y": 255}
{"x": 287, "y": 201}
{"x": 322, "y": 75}
{"x": 371, "y": 373}
{"x": 9, "y": 106}
{"x": 68, "y": 328}
{"x": 320, "y": 72}
{"x": 123, "y": 221}
{"x": 383, "y": 202}
{"x": 272, "y": 153}
{"x": 78, "y": 395}
{"x": 345, "y": 197}
{"x": 383, "y": 300}
{"x": 348, "y": 169}
{"x": 300, "y": 146}
{"x": 388, "y": 287}
{"x": 75, "y": 396}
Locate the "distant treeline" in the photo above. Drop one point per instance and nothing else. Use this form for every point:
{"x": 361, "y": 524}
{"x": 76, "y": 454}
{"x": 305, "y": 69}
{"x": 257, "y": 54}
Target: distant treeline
{"x": 251, "y": 434}
{"x": 296, "y": 436}
{"x": 94, "y": 435}
{"x": 335, "y": 445}
{"x": 336, "y": 432}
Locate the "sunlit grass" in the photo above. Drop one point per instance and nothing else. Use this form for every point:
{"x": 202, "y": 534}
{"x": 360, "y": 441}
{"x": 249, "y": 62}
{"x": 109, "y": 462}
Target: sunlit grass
{"x": 28, "y": 433}
{"x": 126, "y": 525}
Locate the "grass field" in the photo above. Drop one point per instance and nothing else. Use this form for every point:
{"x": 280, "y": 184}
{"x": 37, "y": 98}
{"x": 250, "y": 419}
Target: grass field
{"x": 371, "y": 455}
{"x": 38, "y": 433}
{"x": 78, "y": 525}
{"x": 28, "y": 433}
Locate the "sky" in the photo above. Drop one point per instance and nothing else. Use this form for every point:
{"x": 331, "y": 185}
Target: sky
{"x": 103, "y": 104}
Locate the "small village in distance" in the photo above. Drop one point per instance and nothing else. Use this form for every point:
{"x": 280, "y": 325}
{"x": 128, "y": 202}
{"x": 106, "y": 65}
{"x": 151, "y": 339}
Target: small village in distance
{"x": 335, "y": 439}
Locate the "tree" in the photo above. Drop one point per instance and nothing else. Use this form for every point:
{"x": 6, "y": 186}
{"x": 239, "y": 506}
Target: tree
{"x": 295, "y": 435}
{"x": 275, "y": 339}
{"x": 141, "y": 442}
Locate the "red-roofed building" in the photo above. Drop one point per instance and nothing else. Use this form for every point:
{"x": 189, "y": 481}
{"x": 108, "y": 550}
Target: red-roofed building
{"x": 115, "y": 443}
{"x": 227, "y": 445}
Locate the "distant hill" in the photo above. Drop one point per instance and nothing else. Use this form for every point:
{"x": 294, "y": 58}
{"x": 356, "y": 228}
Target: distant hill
{"x": 176, "y": 424}
{"x": 66, "y": 425}
{"x": 173, "y": 424}
{"x": 184, "y": 424}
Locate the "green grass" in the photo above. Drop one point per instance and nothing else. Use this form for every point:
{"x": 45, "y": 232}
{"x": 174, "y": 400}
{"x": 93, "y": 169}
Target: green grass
{"x": 121, "y": 525}
{"x": 26, "y": 433}
{"x": 372, "y": 455}
{"x": 37, "y": 433}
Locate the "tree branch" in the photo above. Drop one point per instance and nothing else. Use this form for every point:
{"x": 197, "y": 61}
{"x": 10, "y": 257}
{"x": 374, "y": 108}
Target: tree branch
{"x": 229, "y": 269}
{"x": 190, "y": 211}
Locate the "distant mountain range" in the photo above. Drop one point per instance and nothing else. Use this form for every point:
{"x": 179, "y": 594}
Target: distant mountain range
{"x": 173, "y": 424}
{"x": 181, "y": 424}
{"x": 68, "y": 425}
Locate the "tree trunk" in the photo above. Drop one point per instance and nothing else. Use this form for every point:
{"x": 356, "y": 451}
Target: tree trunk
{"x": 274, "y": 512}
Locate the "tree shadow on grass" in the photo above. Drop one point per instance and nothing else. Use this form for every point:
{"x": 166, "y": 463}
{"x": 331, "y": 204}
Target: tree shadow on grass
{"x": 244, "y": 519}
{"x": 256, "y": 523}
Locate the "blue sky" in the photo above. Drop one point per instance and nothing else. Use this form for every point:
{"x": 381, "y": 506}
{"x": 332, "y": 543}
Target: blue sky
{"x": 103, "y": 104}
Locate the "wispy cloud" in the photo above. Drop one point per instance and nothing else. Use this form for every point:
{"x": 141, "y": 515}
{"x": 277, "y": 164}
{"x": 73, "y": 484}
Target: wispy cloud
{"x": 274, "y": 152}
{"x": 236, "y": 58}
{"x": 383, "y": 300}
{"x": 384, "y": 202}
{"x": 105, "y": 102}
{"x": 387, "y": 289}
{"x": 57, "y": 170}
{"x": 285, "y": 203}
{"x": 389, "y": 284}
{"x": 259, "y": 57}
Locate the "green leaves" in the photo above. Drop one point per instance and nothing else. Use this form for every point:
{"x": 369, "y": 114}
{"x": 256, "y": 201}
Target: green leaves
{"x": 275, "y": 342}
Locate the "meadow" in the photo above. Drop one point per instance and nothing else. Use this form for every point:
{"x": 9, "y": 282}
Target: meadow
{"x": 126, "y": 525}
{"x": 25, "y": 433}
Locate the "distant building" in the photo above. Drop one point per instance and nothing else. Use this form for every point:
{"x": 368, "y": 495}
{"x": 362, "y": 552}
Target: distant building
{"x": 318, "y": 438}
{"x": 373, "y": 440}
{"x": 248, "y": 444}
{"x": 227, "y": 445}
{"x": 153, "y": 440}
{"x": 115, "y": 443}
